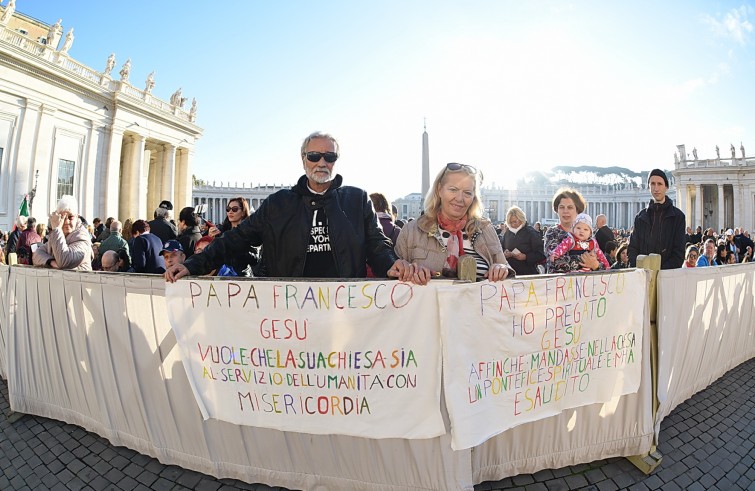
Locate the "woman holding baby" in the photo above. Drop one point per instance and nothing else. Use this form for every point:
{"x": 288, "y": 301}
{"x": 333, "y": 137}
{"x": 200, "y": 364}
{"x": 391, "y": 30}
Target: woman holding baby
{"x": 568, "y": 204}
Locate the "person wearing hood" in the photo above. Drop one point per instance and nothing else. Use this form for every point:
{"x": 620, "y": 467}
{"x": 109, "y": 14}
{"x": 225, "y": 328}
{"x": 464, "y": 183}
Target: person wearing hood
{"x": 659, "y": 228}
{"x": 69, "y": 244}
{"x": 317, "y": 229}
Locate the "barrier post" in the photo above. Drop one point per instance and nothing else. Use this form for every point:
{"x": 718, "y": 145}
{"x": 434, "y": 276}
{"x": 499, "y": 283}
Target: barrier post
{"x": 648, "y": 462}
{"x": 10, "y": 414}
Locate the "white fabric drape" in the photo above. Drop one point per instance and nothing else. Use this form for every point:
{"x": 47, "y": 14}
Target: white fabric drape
{"x": 97, "y": 351}
{"x": 705, "y": 328}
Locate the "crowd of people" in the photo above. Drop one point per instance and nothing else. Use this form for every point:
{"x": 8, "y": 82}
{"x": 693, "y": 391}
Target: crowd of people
{"x": 322, "y": 228}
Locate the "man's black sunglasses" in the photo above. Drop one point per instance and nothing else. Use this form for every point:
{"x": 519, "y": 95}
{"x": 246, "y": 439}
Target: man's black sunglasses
{"x": 329, "y": 157}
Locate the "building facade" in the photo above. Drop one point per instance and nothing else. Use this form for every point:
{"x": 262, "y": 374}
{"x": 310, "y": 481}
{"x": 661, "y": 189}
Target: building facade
{"x": 620, "y": 203}
{"x": 216, "y": 197}
{"x": 716, "y": 193}
{"x": 66, "y": 128}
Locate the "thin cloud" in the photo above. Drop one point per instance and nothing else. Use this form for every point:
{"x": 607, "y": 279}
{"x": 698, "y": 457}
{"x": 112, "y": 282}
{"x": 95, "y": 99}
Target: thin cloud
{"x": 734, "y": 25}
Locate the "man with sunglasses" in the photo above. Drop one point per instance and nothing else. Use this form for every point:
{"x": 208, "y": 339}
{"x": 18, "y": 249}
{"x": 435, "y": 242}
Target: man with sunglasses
{"x": 317, "y": 229}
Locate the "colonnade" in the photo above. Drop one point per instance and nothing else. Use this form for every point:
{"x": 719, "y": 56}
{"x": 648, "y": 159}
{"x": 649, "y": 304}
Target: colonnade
{"x": 620, "y": 206}
{"x": 150, "y": 171}
{"x": 717, "y": 205}
{"x": 217, "y": 198}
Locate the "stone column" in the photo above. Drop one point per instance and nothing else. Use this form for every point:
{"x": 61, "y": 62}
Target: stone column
{"x": 698, "y": 218}
{"x": 109, "y": 192}
{"x": 721, "y": 218}
{"x": 168, "y": 165}
{"x": 738, "y": 196}
{"x": 144, "y": 189}
{"x": 43, "y": 153}
{"x": 183, "y": 177}
{"x": 132, "y": 184}
{"x": 681, "y": 197}
{"x": 124, "y": 191}
{"x": 154, "y": 182}
{"x": 89, "y": 205}
{"x": 27, "y": 132}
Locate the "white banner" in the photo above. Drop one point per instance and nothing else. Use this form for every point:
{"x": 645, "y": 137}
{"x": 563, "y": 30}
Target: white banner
{"x": 350, "y": 358}
{"x": 522, "y": 350}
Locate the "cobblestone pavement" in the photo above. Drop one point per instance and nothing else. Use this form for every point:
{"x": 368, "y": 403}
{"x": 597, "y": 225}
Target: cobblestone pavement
{"x": 707, "y": 443}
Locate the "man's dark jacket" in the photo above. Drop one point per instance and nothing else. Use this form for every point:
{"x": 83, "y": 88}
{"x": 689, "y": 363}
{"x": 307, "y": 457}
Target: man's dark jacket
{"x": 603, "y": 236}
{"x": 659, "y": 229}
{"x": 163, "y": 229}
{"x": 145, "y": 254}
{"x": 282, "y": 226}
{"x": 12, "y": 243}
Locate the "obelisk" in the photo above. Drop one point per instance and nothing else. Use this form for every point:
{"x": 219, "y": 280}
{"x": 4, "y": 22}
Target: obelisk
{"x": 425, "y": 162}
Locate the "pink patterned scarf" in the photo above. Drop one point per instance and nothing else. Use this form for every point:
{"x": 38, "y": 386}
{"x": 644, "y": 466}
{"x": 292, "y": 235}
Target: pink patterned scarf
{"x": 455, "y": 246}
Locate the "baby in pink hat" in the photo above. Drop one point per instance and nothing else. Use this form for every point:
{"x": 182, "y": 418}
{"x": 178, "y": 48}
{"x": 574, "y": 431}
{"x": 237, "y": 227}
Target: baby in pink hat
{"x": 579, "y": 241}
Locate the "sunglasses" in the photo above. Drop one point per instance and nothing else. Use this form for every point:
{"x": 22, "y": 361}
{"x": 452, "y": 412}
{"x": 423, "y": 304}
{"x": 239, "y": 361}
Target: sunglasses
{"x": 453, "y": 166}
{"x": 329, "y": 157}
{"x": 232, "y": 208}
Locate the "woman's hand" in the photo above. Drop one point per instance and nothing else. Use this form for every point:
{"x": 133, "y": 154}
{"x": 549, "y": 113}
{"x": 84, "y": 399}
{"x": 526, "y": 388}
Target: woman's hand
{"x": 497, "y": 272}
{"x": 213, "y": 231}
{"x": 589, "y": 260}
{"x": 519, "y": 256}
{"x": 56, "y": 221}
{"x": 410, "y": 273}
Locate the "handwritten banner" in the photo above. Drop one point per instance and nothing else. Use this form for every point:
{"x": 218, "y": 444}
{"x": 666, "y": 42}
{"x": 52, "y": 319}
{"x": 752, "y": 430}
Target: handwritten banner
{"x": 522, "y": 350}
{"x": 360, "y": 359}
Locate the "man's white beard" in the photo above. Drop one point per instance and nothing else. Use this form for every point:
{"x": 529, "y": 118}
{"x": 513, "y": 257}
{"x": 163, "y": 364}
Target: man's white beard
{"x": 318, "y": 177}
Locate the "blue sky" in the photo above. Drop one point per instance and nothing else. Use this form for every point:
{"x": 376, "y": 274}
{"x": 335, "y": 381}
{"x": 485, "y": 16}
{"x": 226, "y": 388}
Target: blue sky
{"x": 507, "y": 86}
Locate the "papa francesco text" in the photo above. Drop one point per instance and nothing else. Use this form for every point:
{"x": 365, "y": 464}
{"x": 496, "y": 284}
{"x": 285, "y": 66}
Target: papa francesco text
{"x": 367, "y": 295}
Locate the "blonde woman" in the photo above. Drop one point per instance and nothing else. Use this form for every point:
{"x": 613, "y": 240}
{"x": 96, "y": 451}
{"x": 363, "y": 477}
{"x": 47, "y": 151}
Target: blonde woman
{"x": 451, "y": 238}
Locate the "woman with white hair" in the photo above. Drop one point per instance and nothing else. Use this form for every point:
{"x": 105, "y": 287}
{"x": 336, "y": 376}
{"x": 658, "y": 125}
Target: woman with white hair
{"x": 451, "y": 238}
{"x": 69, "y": 245}
{"x": 522, "y": 244}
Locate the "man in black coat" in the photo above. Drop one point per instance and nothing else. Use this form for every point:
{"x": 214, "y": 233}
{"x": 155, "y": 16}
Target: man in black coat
{"x": 697, "y": 237}
{"x": 145, "y": 249}
{"x": 317, "y": 229}
{"x": 603, "y": 232}
{"x": 659, "y": 228}
{"x": 161, "y": 225}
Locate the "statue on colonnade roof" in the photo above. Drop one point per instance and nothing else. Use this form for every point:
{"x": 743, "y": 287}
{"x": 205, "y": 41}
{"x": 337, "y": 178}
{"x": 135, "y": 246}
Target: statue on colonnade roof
{"x": 67, "y": 43}
{"x": 126, "y": 70}
{"x": 150, "y": 82}
{"x": 8, "y": 12}
{"x": 53, "y": 35}
{"x": 110, "y": 64}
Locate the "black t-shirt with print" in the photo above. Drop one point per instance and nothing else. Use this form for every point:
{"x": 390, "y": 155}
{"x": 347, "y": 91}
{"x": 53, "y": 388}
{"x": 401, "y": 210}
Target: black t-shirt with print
{"x": 320, "y": 262}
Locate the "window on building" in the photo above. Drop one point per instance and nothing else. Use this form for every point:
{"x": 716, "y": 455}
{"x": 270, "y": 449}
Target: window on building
{"x": 65, "y": 177}
{"x": 23, "y": 31}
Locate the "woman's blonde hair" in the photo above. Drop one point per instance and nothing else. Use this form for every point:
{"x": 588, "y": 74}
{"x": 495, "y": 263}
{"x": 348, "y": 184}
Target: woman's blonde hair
{"x": 517, "y": 212}
{"x": 474, "y": 212}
